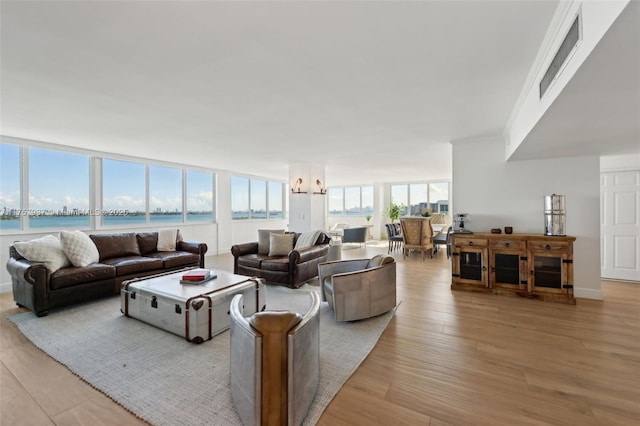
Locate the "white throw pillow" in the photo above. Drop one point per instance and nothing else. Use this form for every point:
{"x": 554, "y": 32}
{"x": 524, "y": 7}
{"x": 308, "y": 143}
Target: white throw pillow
{"x": 307, "y": 239}
{"x": 79, "y": 248}
{"x": 45, "y": 249}
{"x": 280, "y": 244}
{"x": 167, "y": 239}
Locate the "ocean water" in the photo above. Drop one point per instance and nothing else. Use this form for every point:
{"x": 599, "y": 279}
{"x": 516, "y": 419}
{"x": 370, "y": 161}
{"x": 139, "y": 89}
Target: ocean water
{"x": 43, "y": 222}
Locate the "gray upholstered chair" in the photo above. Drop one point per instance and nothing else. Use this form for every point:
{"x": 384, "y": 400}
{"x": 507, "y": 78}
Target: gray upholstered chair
{"x": 394, "y": 236}
{"x": 355, "y": 235}
{"x": 275, "y": 363}
{"x": 358, "y": 289}
{"x": 443, "y": 239}
{"x": 417, "y": 235}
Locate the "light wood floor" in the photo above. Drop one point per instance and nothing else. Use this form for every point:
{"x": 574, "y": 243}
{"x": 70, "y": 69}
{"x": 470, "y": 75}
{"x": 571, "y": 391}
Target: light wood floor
{"x": 447, "y": 358}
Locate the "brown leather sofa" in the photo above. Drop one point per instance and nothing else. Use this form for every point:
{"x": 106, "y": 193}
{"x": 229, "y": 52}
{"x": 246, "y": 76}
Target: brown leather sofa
{"x": 292, "y": 270}
{"x": 123, "y": 256}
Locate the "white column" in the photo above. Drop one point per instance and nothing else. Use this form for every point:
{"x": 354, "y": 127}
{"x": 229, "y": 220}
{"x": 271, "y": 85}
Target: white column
{"x": 307, "y": 205}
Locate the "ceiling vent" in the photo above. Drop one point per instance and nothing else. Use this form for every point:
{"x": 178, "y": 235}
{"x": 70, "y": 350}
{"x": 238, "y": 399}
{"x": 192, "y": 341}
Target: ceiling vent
{"x": 567, "y": 47}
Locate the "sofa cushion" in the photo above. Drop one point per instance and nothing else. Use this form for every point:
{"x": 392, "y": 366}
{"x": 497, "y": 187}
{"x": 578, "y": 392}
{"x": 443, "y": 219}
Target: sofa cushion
{"x": 147, "y": 242}
{"x": 47, "y": 250}
{"x": 79, "y": 248}
{"x": 280, "y": 244}
{"x": 276, "y": 264}
{"x": 263, "y": 239}
{"x": 116, "y": 245}
{"x": 251, "y": 260}
{"x": 174, "y": 259}
{"x": 133, "y": 264}
{"x": 69, "y": 277}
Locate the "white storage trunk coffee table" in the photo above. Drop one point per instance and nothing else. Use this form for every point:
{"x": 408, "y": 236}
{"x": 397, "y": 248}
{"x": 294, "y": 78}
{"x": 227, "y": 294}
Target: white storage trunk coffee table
{"x": 196, "y": 312}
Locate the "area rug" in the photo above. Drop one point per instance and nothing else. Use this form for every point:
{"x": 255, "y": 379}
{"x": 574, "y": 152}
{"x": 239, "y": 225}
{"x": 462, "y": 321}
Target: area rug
{"x": 165, "y": 380}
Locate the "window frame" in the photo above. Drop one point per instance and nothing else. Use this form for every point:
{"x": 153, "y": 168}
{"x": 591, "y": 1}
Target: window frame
{"x": 95, "y": 180}
{"x": 250, "y": 196}
{"x": 343, "y": 212}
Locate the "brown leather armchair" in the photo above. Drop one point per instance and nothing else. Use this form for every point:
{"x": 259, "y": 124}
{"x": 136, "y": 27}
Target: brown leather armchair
{"x": 275, "y": 363}
{"x": 358, "y": 289}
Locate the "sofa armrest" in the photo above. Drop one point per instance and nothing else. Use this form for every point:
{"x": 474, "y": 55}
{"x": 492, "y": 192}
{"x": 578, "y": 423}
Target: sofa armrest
{"x": 308, "y": 253}
{"x": 30, "y": 282}
{"x": 246, "y": 248}
{"x": 193, "y": 247}
{"x": 238, "y": 250}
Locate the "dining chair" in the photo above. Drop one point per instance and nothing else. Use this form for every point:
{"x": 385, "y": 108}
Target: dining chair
{"x": 417, "y": 234}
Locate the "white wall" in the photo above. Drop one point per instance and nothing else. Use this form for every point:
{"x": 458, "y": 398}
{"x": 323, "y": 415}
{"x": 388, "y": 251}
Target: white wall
{"x": 497, "y": 193}
{"x": 620, "y": 162}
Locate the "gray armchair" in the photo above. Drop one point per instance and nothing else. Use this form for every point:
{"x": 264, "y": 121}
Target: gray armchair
{"x": 275, "y": 363}
{"x": 358, "y": 289}
{"x": 355, "y": 235}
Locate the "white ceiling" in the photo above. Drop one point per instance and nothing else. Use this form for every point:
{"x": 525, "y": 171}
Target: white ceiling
{"x": 374, "y": 90}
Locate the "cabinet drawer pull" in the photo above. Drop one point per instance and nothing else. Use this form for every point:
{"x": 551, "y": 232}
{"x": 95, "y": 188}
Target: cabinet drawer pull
{"x": 470, "y": 243}
{"x": 548, "y": 247}
{"x": 507, "y": 245}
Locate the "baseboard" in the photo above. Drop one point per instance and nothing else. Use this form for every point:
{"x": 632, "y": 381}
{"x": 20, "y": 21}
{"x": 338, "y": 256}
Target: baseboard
{"x": 5, "y": 288}
{"x": 585, "y": 293}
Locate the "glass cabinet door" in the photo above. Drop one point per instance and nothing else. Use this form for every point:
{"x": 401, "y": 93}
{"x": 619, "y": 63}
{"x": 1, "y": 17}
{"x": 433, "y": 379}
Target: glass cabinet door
{"x": 472, "y": 267}
{"x": 509, "y": 270}
{"x": 549, "y": 273}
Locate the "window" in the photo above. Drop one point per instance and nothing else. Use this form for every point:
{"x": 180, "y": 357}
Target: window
{"x": 258, "y": 199}
{"x": 10, "y": 194}
{"x": 335, "y": 201}
{"x": 123, "y": 192}
{"x": 276, "y": 190}
{"x": 367, "y": 200}
{"x": 418, "y": 194}
{"x": 421, "y": 197}
{"x": 400, "y": 197}
{"x": 165, "y": 194}
{"x": 199, "y": 196}
{"x": 239, "y": 197}
{"x": 350, "y": 201}
{"x": 60, "y": 185}
{"x": 439, "y": 197}
{"x": 58, "y": 189}
{"x": 250, "y": 199}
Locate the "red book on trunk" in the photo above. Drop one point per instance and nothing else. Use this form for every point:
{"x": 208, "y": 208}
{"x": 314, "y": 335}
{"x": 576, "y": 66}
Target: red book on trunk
{"x": 196, "y": 275}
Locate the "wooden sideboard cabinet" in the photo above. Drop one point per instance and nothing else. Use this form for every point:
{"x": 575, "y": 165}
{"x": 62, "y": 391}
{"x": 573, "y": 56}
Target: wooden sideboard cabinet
{"x": 526, "y": 265}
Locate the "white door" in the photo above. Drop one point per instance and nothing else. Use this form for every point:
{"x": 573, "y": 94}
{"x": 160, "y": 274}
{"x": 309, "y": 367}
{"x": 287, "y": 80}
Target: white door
{"x": 620, "y": 225}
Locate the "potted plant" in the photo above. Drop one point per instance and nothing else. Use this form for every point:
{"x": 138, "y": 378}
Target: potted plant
{"x": 393, "y": 211}
{"x": 368, "y": 217}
